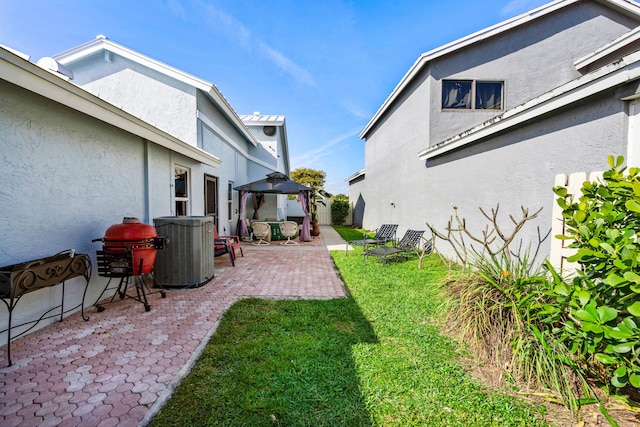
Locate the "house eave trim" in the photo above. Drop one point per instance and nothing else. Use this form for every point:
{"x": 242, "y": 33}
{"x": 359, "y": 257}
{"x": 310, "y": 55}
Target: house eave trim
{"x": 102, "y": 43}
{"x": 602, "y": 79}
{"x": 628, "y": 38}
{"x": 458, "y": 44}
{"x": 44, "y": 83}
{"x": 628, "y": 7}
{"x": 356, "y": 175}
{"x": 229, "y": 141}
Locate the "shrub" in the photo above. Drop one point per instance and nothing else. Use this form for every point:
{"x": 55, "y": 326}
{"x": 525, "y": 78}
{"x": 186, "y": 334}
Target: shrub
{"x": 603, "y": 300}
{"x": 339, "y": 211}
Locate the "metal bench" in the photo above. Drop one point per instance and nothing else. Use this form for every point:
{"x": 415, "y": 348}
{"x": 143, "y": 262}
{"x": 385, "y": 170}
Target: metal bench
{"x": 385, "y": 234}
{"x": 408, "y": 243}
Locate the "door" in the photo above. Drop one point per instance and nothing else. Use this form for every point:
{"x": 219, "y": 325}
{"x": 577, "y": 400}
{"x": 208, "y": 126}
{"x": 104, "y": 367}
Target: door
{"x": 211, "y": 197}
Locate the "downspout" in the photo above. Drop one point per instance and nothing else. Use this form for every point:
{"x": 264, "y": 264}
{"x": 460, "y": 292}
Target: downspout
{"x": 147, "y": 191}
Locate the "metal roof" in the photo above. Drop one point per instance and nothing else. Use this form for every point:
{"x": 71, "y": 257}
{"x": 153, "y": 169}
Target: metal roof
{"x": 274, "y": 183}
{"x": 262, "y": 119}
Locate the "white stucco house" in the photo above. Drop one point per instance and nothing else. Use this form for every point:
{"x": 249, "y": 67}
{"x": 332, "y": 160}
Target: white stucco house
{"x": 101, "y": 133}
{"x": 192, "y": 109}
{"x": 492, "y": 118}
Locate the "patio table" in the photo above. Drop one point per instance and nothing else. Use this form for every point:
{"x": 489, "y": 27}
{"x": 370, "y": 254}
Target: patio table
{"x": 276, "y": 234}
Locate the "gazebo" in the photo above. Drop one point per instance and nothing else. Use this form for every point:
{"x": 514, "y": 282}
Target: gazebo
{"x": 276, "y": 183}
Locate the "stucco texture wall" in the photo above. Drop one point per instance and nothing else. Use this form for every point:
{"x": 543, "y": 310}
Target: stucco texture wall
{"x": 531, "y": 60}
{"x": 162, "y": 101}
{"x": 513, "y": 169}
{"x": 68, "y": 178}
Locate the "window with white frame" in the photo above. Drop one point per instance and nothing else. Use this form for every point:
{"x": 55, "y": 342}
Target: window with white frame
{"x": 472, "y": 94}
{"x": 181, "y": 190}
{"x": 230, "y": 200}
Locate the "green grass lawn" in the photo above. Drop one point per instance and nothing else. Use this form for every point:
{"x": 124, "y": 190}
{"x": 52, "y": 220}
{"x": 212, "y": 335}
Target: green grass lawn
{"x": 373, "y": 359}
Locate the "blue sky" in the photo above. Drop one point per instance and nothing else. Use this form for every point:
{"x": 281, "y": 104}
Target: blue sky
{"x": 326, "y": 65}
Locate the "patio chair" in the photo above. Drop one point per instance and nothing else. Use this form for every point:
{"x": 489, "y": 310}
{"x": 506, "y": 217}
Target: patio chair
{"x": 407, "y": 244}
{"x": 385, "y": 234}
{"x": 221, "y": 247}
{"x": 289, "y": 229}
{"x": 232, "y": 241}
{"x": 261, "y": 231}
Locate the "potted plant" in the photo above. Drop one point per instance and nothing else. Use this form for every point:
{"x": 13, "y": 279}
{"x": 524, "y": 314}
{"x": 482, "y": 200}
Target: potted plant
{"x": 313, "y": 179}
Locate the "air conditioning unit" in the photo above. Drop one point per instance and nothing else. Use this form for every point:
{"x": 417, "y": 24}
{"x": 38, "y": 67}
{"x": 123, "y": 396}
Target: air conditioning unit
{"x": 187, "y": 260}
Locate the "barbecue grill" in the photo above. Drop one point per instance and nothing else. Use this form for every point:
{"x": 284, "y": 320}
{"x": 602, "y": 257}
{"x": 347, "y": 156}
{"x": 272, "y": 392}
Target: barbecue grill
{"x": 129, "y": 254}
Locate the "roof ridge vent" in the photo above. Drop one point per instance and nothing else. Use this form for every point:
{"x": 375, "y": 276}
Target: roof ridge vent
{"x": 55, "y": 67}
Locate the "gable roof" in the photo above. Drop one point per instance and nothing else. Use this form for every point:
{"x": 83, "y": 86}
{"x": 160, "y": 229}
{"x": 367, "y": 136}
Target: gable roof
{"x": 18, "y": 70}
{"x": 615, "y": 74}
{"x": 257, "y": 119}
{"x": 102, "y": 43}
{"x": 627, "y": 7}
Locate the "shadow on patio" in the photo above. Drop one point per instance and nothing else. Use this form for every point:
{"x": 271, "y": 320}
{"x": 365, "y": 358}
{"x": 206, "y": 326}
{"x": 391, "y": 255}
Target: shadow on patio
{"x": 122, "y": 365}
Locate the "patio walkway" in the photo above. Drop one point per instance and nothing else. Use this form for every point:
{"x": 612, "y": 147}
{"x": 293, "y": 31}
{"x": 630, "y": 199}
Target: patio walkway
{"x": 121, "y": 366}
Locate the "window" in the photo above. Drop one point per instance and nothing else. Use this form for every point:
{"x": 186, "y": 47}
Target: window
{"x": 230, "y": 199}
{"x": 472, "y": 94}
{"x": 181, "y": 190}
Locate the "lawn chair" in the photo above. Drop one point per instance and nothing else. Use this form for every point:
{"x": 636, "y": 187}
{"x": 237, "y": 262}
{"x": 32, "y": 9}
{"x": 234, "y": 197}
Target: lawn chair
{"x": 233, "y": 243}
{"x": 408, "y": 243}
{"x": 385, "y": 234}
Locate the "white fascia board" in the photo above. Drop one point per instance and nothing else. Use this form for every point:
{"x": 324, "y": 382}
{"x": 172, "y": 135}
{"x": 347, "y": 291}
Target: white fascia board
{"x": 285, "y": 149}
{"x": 33, "y": 78}
{"x": 16, "y": 52}
{"x": 461, "y": 43}
{"x": 621, "y": 42}
{"x": 602, "y": 79}
{"x": 628, "y": 7}
{"x": 222, "y": 134}
{"x": 102, "y": 43}
{"x": 355, "y": 175}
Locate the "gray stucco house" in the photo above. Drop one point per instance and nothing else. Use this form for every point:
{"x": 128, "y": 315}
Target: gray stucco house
{"x": 492, "y": 118}
{"x": 101, "y": 133}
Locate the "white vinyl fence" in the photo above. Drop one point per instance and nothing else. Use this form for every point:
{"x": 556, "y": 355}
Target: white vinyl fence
{"x": 559, "y": 251}
{"x": 324, "y": 213}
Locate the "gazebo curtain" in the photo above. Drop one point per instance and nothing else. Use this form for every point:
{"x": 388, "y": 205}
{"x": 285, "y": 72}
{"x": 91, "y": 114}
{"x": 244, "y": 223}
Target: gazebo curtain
{"x": 243, "y": 231}
{"x": 303, "y": 201}
{"x": 258, "y": 201}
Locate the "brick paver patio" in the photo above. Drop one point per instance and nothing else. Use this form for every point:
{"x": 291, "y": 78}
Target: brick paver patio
{"x": 120, "y": 367}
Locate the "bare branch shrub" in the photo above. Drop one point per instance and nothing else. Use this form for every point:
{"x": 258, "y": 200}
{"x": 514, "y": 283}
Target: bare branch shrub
{"x": 493, "y": 239}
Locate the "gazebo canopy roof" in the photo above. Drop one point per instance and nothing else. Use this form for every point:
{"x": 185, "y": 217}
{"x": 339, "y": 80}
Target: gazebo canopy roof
{"x": 274, "y": 183}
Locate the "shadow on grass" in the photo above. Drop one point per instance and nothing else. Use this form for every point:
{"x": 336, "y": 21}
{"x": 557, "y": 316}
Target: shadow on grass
{"x": 277, "y": 363}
